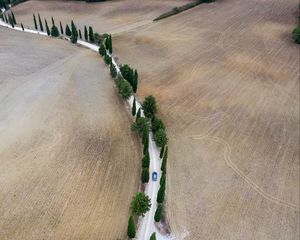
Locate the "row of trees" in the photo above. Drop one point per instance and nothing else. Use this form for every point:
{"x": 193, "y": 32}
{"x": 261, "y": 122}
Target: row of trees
{"x": 9, "y": 18}
{"x": 127, "y": 85}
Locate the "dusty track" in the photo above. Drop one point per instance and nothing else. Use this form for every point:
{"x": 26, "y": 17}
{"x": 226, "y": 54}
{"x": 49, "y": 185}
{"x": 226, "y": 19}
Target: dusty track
{"x": 68, "y": 165}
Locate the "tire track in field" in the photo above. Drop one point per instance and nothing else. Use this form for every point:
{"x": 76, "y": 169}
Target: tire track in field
{"x": 251, "y": 183}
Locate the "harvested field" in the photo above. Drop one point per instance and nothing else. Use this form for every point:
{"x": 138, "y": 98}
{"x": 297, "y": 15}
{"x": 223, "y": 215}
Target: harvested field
{"x": 226, "y": 76}
{"x": 110, "y": 16}
{"x": 69, "y": 166}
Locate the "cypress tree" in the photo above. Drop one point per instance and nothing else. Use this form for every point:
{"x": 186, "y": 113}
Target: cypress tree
{"x": 162, "y": 151}
{"x": 53, "y": 23}
{"x": 160, "y": 195}
{"x": 11, "y": 22}
{"x": 74, "y": 36}
{"x": 41, "y": 23}
{"x": 80, "y": 36}
{"x": 91, "y": 34}
{"x": 54, "y": 31}
{"x": 22, "y": 26}
{"x": 68, "y": 31}
{"x": 61, "y": 29}
{"x": 158, "y": 213}
{"x": 138, "y": 115}
{"x": 5, "y": 18}
{"x": 145, "y": 175}
{"x": 106, "y": 42}
{"x": 146, "y": 145}
{"x": 153, "y": 236}
{"x": 145, "y": 134}
{"x": 135, "y": 81}
{"x": 113, "y": 71}
{"x": 133, "y": 110}
{"x": 35, "y": 24}
{"x": 162, "y": 180}
{"x": 131, "y": 228}
{"x": 47, "y": 28}
{"x": 146, "y": 160}
{"x": 13, "y": 18}
{"x": 164, "y": 162}
{"x": 86, "y": 37}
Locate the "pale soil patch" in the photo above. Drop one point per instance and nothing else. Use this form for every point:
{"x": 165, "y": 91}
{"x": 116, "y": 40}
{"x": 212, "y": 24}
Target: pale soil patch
{"x": 226, "y": 76}
{"x": 69, "y": 161}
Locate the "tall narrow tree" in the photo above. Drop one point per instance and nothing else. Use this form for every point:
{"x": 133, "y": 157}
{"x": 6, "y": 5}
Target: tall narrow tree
{"x": 35, "y": 24}
{"x": 138, "y": 115}
{"x": 162, "y": 151}
{"x": 68, "y": 31}
{"x": 91, "y": 34}
{"x": 135, "y": 81}
{"x": 13, "y": 17}
{"x": 164, "y": 162}
{"x": 61, "y": 28}
{"x": 47, "y": 28}
{"x": 86, "y": 37}
{"x": 131, "y": 228}
{"x": 110, "y": 45}
{"x": 41, "y": 23}
{"x": 53, "y": 23}
{"x": 80, "y": 36}
{"x": 11, "y": 21}
{"x": 5, "y": 18}
{"x": 133, "y": 110}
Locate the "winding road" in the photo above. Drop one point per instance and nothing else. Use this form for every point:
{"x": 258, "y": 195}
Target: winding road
{"x": 146, "y": 225}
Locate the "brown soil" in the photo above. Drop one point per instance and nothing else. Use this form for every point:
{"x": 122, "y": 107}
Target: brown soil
{"x": 69, "y": 161}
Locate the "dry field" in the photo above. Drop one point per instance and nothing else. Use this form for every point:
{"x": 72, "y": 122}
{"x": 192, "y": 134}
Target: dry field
{"x": 69, "y": 166}
{"x": 226, "y": 76}
{"x": 111, "y": 16}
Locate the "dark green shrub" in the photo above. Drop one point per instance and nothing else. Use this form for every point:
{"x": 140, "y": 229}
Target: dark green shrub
{"x": 149, "y": 106}
{"x": 124, "y": 88}
{"x": 157, "y": 124}
{"x": 140, "y": 204}
{"x": 54, "y": 31}
{"x": 139, "y": 124}
{"x": 107, "y": 59}
{"x": 102, "y": 50}
{"x": 160, "y": 137}
{"x": 68, "y": 31}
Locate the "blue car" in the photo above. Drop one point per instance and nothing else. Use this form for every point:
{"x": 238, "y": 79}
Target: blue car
{"x": 154, "y": 176}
